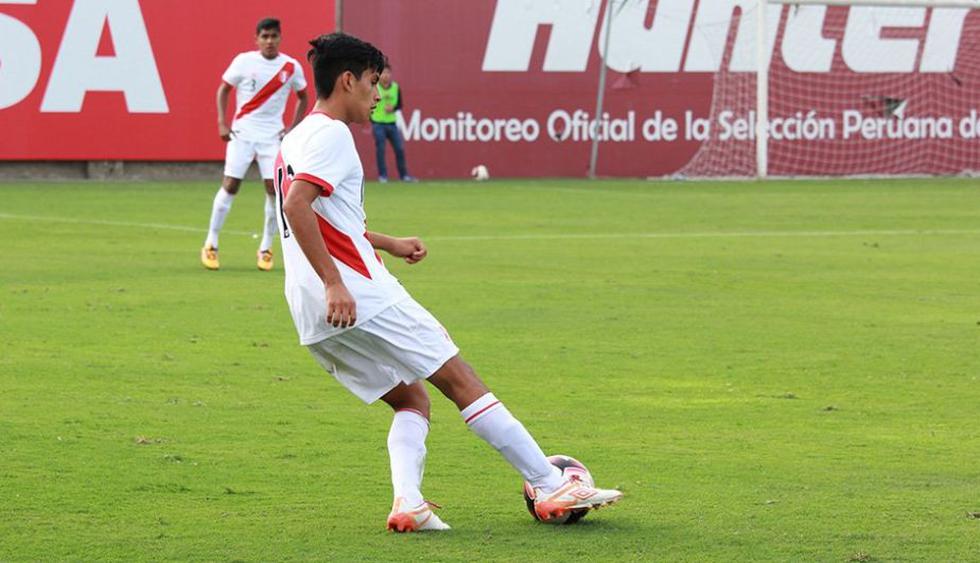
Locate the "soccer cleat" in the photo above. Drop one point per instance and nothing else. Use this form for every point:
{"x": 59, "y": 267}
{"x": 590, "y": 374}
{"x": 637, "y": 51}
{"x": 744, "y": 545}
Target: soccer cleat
{"x": 209, "y": 257}
{"x": 572, "y": 495}
{"x": 418, "y": 519}
{"x": 264, "y": 260}
{"x": 382, "y": 179}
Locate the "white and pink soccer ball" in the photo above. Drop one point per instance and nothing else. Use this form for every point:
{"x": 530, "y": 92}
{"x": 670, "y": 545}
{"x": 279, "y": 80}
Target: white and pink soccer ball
{"x": 571, "y": 468}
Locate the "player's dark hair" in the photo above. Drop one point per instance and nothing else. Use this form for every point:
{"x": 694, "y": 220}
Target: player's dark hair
{"x": 337, "y": 53}
{"x": 267, "y": 23}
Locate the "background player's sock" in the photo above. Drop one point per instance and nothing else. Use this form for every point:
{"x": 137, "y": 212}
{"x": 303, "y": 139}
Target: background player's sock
{"x": 493, "y": 422}
{"x": 220, "y": 209}
{"x": 270, "y": 222}
{"x": 406, "y": 448}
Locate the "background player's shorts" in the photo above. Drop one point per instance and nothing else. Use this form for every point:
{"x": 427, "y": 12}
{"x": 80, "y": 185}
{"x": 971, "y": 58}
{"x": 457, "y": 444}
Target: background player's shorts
{"x": 240, "y": 153}
{"x": 402, "y": 344}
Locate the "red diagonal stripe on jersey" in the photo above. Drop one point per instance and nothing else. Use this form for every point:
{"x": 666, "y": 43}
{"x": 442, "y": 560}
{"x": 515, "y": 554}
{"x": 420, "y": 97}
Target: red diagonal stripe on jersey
{"x": 342, "y": 247}
{"x": 281, "y": 77}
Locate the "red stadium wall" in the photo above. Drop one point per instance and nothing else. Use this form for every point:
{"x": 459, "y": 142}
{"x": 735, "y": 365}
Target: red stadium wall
{"x": 135, "y": 80}
{"x": 483, "y": 79}
{"x": 512, "y": 83}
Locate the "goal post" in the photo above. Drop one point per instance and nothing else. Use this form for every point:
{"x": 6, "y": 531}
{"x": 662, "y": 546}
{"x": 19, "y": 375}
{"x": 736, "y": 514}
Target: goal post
{"x": 762, "y": 35}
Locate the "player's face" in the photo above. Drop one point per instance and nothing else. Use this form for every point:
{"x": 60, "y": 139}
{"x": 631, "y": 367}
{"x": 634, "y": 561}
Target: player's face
{"x": 386, "y": 77}
{"x": 365, "y": 96}
{"x": 268, "y": 42}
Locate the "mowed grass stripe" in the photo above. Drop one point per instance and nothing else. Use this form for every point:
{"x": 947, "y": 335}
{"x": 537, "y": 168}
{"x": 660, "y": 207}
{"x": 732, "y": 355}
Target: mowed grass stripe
{"x": 539, "y": 236}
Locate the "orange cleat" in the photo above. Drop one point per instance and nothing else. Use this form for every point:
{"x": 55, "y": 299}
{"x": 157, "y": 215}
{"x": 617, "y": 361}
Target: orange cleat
{"x": 573, "y": 495}
{"x": 418, "y": 519}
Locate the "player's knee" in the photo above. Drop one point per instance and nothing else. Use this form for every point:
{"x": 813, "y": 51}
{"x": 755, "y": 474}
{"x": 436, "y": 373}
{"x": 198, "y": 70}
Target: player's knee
{"x": 418, "y": 400}
{"x": 270, "y": 188}
{"x": 457, "y": 381}
{"x": 231, "y": 185}
{"x": 413, "y": 397}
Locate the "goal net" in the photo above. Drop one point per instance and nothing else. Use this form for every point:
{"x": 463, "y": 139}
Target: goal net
{"x": 848, "y": 91}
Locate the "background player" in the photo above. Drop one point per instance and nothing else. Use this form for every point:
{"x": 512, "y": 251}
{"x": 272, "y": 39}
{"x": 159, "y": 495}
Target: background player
{"x": 384, "y": 121}
{"x": 359, "y": 322}
{"x": 262, "y": 81}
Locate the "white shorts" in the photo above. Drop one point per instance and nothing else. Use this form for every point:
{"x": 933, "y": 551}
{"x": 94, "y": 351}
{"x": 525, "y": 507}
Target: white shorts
{"x": 402, "y": 344}
{"x": 240, "y": 153}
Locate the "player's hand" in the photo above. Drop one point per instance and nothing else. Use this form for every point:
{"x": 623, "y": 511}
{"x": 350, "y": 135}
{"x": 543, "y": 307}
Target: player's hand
{"x": 410, "y": 248}
{"x": 224, "y": 132}
{"x": 389, "y": 108}
{"x": 341, "y": 308}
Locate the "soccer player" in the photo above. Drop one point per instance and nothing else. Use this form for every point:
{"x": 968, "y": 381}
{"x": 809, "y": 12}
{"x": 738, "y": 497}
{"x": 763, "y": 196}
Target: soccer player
{"x": 262, "y": 81}
{"x": 383, "y": 125}
{"x": 357, "y": 320}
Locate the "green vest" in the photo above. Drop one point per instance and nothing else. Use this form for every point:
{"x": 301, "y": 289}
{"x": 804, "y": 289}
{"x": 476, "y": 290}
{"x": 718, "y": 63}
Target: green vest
{"x": 389, "y": 97}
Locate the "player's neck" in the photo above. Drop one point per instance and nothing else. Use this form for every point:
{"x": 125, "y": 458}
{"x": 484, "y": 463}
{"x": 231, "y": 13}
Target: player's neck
{"x": 333, "y": 108}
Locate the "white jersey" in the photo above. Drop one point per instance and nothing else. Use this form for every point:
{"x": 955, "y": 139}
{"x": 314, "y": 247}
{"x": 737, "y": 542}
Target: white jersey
{"x": 262, "y": 88}
{"x": 321, "y": 151}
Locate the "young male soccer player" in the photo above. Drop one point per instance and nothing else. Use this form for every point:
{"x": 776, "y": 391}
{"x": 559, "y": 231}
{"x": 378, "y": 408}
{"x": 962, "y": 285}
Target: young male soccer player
{"x": 359, "y": 322}
{"x": 262, "y": 81}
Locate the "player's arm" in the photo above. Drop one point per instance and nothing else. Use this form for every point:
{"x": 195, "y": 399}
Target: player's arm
{"x": 341, "y": 308}
{"x": 302, "y": 102}
{"x": 412, "y": 249}
{"x": 224, "y": 90}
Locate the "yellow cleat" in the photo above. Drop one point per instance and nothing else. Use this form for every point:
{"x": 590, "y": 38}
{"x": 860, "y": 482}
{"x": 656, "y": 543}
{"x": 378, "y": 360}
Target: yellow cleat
{"x": 264, "y": 260}
{"x": 209, "y": 257}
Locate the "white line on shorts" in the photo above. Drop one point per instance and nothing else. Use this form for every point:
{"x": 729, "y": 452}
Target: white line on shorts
{"x": 540, "y": 236}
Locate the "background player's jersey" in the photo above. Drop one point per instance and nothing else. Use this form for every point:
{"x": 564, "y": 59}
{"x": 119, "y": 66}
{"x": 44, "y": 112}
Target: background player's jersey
{"x": 320, "y": 150}
{"x": 262, "y": 88}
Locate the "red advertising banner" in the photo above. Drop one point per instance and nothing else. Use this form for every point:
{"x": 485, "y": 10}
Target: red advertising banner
{"x": 512, "y": 84}
{"x": 129, "y": 79}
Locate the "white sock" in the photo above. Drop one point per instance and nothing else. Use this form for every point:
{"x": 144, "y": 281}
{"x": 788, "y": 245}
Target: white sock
{"x": 270, "y": 222}
{"x": 406, "y": 448}
{"x": 219, "y": 210}
{"x": 491, "y": 420}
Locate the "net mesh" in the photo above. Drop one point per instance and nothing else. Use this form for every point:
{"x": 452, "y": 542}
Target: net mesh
{"x": 845, "y": 122}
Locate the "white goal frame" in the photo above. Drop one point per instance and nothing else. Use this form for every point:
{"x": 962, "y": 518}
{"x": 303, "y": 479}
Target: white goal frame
{"x": 762, "y": 70}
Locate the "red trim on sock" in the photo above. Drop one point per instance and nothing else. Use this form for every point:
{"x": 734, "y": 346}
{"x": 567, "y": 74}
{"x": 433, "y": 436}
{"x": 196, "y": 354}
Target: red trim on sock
{"x": 415, "y": 411}
{"x": 481, "y": 411}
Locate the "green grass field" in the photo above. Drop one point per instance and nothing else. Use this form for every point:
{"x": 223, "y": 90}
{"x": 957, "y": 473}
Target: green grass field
{"x": 783, "y": 371}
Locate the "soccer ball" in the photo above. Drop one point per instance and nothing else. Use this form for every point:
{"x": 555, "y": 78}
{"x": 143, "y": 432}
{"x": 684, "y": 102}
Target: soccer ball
{"x": 571, "y": 468}
{"x": 480, "y": 173}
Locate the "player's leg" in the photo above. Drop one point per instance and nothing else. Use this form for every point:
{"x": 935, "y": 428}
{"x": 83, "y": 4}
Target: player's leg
{"x": 266, "y": 158}
{"x": 491, "y": 420}
{"x": 406, "y": 439}
{"x": 379, "y": 151}
{"x": 238, "y": 156}
{"x": 365, "y": 362}
{"x": 398, "y": 143}
{"x": 406, "y": 451}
